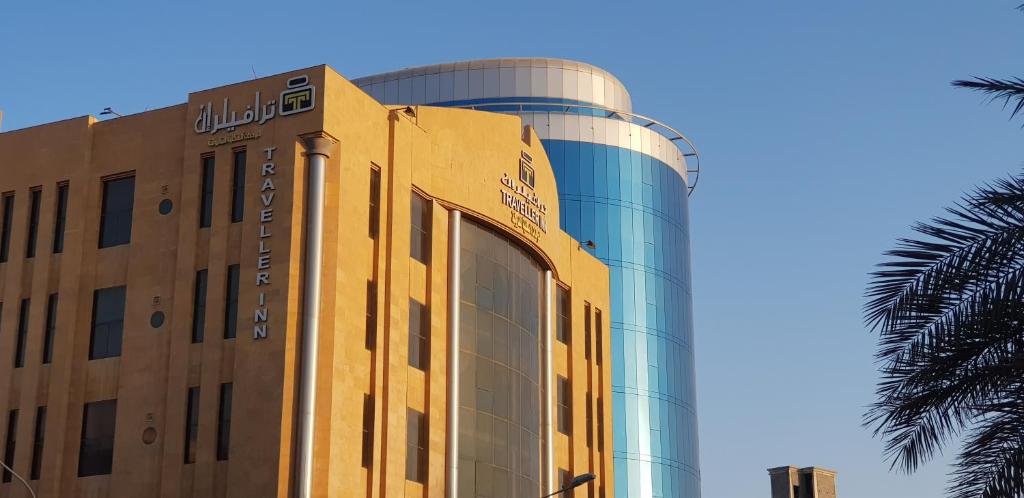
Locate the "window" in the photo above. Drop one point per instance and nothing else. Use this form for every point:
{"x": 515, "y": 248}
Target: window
{"x": 419, "y": 239}
{"x": 238, "y": 187}
{"x": 374, "y": 201}
{"x": 107, "y": 323}
{"x": 600, "y": 423}
{"x": 419, "y": 335}
{"x": 563, "y": 330}
{"x": 231, "y": 307}
{"x": 61, "y": 218}
{"x": 116, "y": 218}
{"x": 371, "y": 314}
{"x": 224, "y": 422}
{"x": 37, "y": 443}
{"x": 5, "y": 235}
{"x": 12, "y": 433}
{"x": 206, "y": 200}
{"x": 564, "y": 406}
{"x": 600, "y": 335}
{"x": 19, "y": 349}
{"x": 367, "y": 430}
{"x": 191, "y": 424}
{"x": 587, "y": 335}
{"x": 590, "y": 420}
{"x": 51, "y": 328}
{"x": 416, "y": 447}
{"x": 35, "y": 200}
{"x": 96, "y": 452}
{"x": 199, "y": 307}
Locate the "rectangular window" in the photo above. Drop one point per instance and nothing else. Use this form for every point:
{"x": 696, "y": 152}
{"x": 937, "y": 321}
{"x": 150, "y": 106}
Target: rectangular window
{"x": 367, "y": 430}
{"x": 107, "y": 323}
{"x": 590, "y": 420}
{"x": 586, "y": 331}
{"x": 19, "y": 349}
{"x": 206, "y": 193}
{"x": 419, "y": 335}
{"x": 9, "y": 446}
{"x": 419, "y": 238}
{"x": 191, "y": 424}
{"x": 35, "y": 202}
{"x": 231, "y": 307}
{"x": 5, "y": 230}
{"x": 51, "y": 328}
{"x": 96, "y": 452}
{"x": 37, "y": 443}
{"x": 60, "y": 218}
{"x": 224, "y": 422}
{"x": 371, "y": 314}
{"x": 199, "y": 307}
{"x": 416, "y": 447}
{"x": 600, "y": 423}
{"x": 116, "y": 217}
{"x": 600, "y": 335}
{"x": 238, "y": 187}
{"x": 563, "y": 329}
{"x": 374, "y": 201}
{"x": 564, "y": 478}
{"x": 564, "y": 406}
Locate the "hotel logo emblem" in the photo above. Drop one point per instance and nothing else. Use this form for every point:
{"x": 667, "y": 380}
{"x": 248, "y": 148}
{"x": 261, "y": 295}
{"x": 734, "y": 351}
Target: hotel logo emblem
{"x": 526, "y": 173}
{"x": 299, "y": 97}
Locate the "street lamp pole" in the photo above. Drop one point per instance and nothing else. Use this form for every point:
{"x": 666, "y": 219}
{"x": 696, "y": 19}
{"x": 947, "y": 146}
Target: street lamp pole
{"x": 575, "y": 483}
{"x": 23, "y": 481}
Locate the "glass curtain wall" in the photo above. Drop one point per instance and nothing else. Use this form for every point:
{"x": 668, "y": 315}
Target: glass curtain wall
{"x": 499, "y": 448}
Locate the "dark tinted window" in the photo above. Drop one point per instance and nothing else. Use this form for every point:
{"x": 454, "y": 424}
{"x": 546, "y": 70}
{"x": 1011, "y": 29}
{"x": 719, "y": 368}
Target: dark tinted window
{"x": 238, "y": 187}
{"x": 5, "y": 230}
{"x": 587, "y": 333}
{"x": 564, "y": 406}
{"x": 199, "y": 307}
{"x": 96, "y": 452}
{"x": 224, "y": 422}
{"x": 590, "y": 420}
{"x": 107, "y": 323}
{"x": 419, "y": 335}
{"x": 37, "y": 443}
{"x": 51, "y": 328}
{"x": 600, "y": 423}
{"x": 599, "y": 336}
{"x": 9, "y": 446}
{"x": 206, "y": 193}
{"x": 19, "y": 349}
{"x": 374, "y": 202}
{"x": 564, "y": 324}
{"x": 371, "y": 314}
{"x": 60, "y": 218}
{"x": 367, "y": 430}
{"x": 419, "y": 239}
{"x": 191, "y": 424}
{"x": 35, "y": 202}
{"x": 231, "y": 306}
{"x": 116, "y": 218}
{"x": 416, "y": 447}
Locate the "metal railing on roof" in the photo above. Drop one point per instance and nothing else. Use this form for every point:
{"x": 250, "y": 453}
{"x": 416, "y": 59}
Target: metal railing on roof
{"x": 658, "y": 127}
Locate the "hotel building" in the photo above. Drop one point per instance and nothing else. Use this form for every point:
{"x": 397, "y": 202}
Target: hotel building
{"x": 623, "y": 181}
{"x": 283, "y": 288}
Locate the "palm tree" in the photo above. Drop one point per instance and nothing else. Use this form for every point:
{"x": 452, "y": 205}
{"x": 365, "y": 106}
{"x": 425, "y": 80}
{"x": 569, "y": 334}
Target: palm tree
{"x": 949, "y": 310}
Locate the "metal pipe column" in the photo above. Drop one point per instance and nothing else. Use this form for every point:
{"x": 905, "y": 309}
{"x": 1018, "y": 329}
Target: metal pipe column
{"x": 454, "y": 294}
{"x": 317, "y": 152}
{"x": 548, "y": 371}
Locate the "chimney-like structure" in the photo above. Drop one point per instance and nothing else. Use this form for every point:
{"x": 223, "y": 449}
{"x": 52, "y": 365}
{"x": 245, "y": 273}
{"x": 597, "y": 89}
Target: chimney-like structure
{"x": 808, "y": 482}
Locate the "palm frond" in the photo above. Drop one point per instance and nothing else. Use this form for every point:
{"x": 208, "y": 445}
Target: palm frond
{"x": 1010, "y": 91}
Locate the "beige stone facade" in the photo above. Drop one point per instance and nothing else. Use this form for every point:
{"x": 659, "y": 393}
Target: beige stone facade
{"x": 456, "y": 159}
{"x": 806, "y": 482}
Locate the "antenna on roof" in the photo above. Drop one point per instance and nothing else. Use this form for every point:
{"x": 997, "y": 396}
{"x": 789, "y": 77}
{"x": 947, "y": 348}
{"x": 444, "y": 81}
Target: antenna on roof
{"x": 253, "y": 71}
{"x": 107, "y": 110}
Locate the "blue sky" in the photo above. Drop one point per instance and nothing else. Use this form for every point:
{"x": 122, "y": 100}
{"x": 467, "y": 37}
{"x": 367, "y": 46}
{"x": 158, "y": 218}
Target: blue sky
{"x": 826, "y": 128}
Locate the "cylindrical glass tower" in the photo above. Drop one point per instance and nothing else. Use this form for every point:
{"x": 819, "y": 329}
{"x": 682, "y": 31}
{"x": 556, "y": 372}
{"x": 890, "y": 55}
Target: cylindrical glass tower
{"x": 623, "y": 182}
